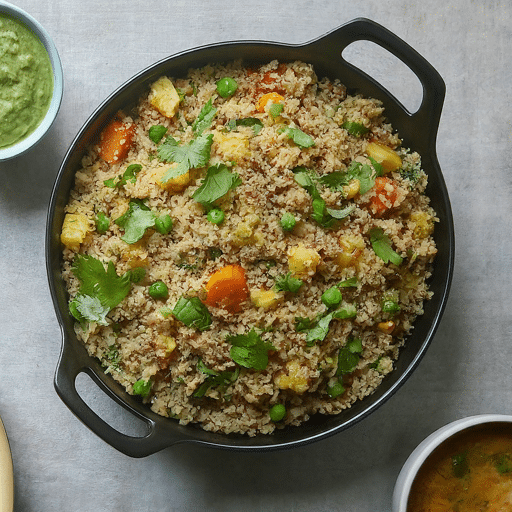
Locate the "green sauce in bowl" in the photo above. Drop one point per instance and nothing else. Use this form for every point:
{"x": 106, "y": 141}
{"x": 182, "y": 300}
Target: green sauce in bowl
{"x": 26, "y": 81}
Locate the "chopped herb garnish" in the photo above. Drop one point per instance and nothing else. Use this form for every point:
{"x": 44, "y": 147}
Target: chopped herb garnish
{"x": 214, "y": 253}
{"x": 249, "y": 350}
{"x": 204, "y": 119}
{"x": 214, "y": 379}
{"x": 303, "y": 140}
{"x": 348, "y": 283}
{"x": 218, "y": 182}
{"x": 193, "y": 313}
{"x": 100, "y": 290}
{"x": 504, "y": 463}
{"x": 137, "y": 274}
{"x": 356, "y": 129}
{"x": 364, "y": 173}
{"x": 317, "y": 329}
{"x": 304, "y": 177}
{"x": 194, "y": 155}
{"x": 135, "y": 221}
{"x": 142, "y": 387}
{"x": 288, "y": 283}
{"x": 382, "y": 246}
{"x": 252, "y": 122}
{"x": 276, "y": 109}
{"x": 460, "y": 465}
{"x": 130, "y": 175}
{"x": 112, "y": 359}
{"x": 157, "y": 132}
{"x": 411, "y": 171}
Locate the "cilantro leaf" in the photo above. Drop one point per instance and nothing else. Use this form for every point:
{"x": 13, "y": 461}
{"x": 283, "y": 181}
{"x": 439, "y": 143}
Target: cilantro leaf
{"x": 364, "y": 173}
{"x": 135, "y": 221}
{"x": 214, "y": 378}
{"x": 130, "y": 175}
{"x": 249, "y": 350}
{"x": 348, "y": 283}
{"x": 276, "y": 109}
{"x": 252, "y": 122}
{"x": 341, "y": 214}
{"x": 100, "y": 291}
{"x": 205, "y": 118}
{"x": 88, "y": 309}
{"x": 193, "y": 313}
{"x": 303, "y": 140}
{"x": 304, "y": 178}
{"x": 218, "y": 182}
{"x": 356, "y": 129}
{"x": 318, "y": 329}
{"x": 382, "y": 246}
{"x": 194, "y": 155}
{"x": 288, "y": 283}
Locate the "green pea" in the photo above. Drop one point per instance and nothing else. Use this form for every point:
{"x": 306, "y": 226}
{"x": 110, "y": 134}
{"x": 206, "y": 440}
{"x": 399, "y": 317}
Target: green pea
{"x": 158, "y": 290}
{"x": 157, "y": 132}
{"x": 215, "y": 216}
{"x": 277, "y": 412}
{"x": 226, "y": 86}
{"x": 102, "y": 223}
{"x": 288, "y": 221}
{"x": 336, "y": 390}
{"x": 332, "y": 297}
{"x": 163, "y": 224}
{"x": 142, "y": 387}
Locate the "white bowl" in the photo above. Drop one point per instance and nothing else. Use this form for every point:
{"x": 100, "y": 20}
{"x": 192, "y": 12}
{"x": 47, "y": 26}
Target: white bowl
{"x": 424, "y": 449}
{"x": 28, "y": 142}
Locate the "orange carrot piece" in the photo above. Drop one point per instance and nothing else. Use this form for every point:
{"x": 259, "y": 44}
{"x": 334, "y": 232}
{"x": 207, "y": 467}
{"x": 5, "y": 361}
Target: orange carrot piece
{"x": 383, "y": 197}
{"x": 116, "y": 140}
{"x": 270, "y": 96}
{"x": 227, "y": 288}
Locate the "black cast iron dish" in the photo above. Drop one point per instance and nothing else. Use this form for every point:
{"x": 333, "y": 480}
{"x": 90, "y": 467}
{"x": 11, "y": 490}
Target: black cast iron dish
{"x": 418, "y": 130}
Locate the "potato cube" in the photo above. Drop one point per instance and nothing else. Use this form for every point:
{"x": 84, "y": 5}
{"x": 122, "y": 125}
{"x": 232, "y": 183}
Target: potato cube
{"x": 164, "y": 97}
{"x": 302, "y": 261}
{"x": 74, "y": 229}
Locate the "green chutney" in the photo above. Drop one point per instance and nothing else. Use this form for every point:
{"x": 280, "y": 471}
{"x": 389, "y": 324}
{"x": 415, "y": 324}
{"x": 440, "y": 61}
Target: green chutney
{"x": 26, "y": 81}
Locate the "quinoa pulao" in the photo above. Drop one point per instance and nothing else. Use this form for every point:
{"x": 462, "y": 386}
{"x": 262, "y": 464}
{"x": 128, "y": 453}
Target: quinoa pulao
{"x": 248, "y": 247}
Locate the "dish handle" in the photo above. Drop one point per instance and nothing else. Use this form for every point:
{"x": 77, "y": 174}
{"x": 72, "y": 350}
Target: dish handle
{"x": 70, "y": 365}
{"x": 434, "y": 89}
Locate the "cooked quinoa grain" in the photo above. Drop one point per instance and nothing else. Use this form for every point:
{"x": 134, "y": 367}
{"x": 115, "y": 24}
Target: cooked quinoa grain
{"x": 252, "y": 316}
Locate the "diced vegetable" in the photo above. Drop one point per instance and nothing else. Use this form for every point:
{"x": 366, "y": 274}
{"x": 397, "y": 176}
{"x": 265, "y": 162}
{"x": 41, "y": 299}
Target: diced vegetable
{"x": 273, "y": 97}
{"x": 385, "y": 195}
{"x": 295, "y": 378}
{"x": 226, "y": 87}
{"x": 74, "y": 229}
{"x": 164, "y": 97}
{"x": 288, "y": 221}
{"x": 215, "y": 216}
{"x": 102, "y": 223}
{"x": 389, "y": 159}
{"x": 302, "y": 261}
{"x": 116, "y": 140}
{"x": 332, "y": 297}
{"x": 277, "y": 412}
{"x": 266, "y": 299}
{"x": 158, "y": 290}
{"x": 227, "y": 288}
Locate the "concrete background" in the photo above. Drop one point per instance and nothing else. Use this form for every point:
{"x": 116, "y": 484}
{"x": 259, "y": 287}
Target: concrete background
{"x": 60, "y": 466}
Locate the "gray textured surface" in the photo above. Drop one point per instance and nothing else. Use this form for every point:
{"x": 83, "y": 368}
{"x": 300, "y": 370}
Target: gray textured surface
{"x": 61, "y": 466}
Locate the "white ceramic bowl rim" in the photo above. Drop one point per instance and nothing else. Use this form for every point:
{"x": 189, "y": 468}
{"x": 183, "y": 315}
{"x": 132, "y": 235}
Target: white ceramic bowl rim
{"x": 426, "y": 447}
{"x": 25, "y": 144}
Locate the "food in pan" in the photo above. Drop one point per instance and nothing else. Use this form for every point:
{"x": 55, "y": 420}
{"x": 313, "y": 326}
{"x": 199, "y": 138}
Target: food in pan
{"x": 248, "y": 247}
